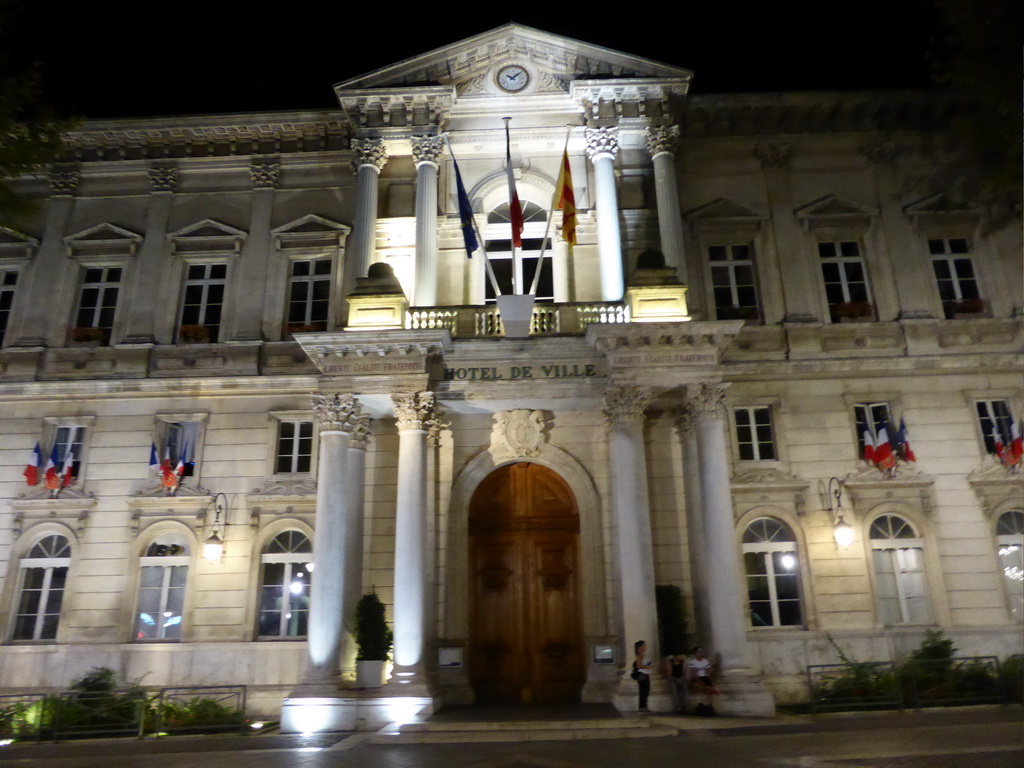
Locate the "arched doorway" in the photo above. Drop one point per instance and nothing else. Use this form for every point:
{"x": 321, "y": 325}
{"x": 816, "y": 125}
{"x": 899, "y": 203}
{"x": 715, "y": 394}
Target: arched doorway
{"x": 525, "y": 639}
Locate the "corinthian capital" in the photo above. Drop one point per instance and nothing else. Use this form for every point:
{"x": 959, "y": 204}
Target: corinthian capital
{"x": 63, "y": 181}
{"x": 662, "y": 139}
{"x": 265, "y": 175}
{"x": 164, "y": 179}
{"x": 414, "y": 410}
{"x": 360, "y": 431}
{"x": 684, "y": 421}
{"x": 602, "y": 141}
{"x": 369, "y": 152}
{"x": 336, "y": 413}
{"x": 706, "y": 400}
{"x": 427, "y": 149}
{"x": 625, "y": 404}
{"x": 772, "y": 155}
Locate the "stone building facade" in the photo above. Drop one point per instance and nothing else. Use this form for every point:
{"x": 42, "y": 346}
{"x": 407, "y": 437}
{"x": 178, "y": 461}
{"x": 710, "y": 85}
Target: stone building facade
{"x": 199, "y": 290}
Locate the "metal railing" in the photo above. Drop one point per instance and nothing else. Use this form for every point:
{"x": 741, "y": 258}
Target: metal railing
{"x": 200, "y": 709}
{"x": 861, "y": 685}
{"x": 21, "y": 716}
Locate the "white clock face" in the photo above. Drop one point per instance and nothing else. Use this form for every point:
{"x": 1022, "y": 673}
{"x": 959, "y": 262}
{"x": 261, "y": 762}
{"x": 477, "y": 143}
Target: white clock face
{"x": 513, "y": 78}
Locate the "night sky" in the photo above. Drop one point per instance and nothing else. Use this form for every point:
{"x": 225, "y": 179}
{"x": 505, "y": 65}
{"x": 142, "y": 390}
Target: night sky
{"x": 112, "y": 58}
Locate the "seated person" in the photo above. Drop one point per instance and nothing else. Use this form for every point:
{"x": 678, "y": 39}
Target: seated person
{"x": 700, "y": 671}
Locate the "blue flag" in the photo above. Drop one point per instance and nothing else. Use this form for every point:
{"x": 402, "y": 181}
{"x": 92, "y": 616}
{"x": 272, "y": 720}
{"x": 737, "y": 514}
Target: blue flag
{"x": 465, "y": 211}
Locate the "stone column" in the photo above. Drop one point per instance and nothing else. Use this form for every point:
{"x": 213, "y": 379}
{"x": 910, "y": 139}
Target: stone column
{"x": 337, "y": 416}
{"x": 602, "y": 146}
{"x": 370, "y": 159}
{"x": 426, "y": 151}
{"x": 353, "y": 557}
{"x": 724, "y": 576}
{"x": 624, "y": 416}
{"x": 560, "y": 270}
{"x": 249, "y": 294}
{"x": 413, "y": 412}
{"x": 39, "y": 324}
{"x": 661, "y": 143}
{"x": 694, "y": 519}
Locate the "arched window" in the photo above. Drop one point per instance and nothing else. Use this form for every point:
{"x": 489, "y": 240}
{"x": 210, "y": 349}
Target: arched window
{"x": 898, "y": 555}
{"x": 1010, "y": 548}
{"x": 284, "y": 585}
{"x": 163, "y": 575}
{"x": 515, "y": 275}
{"x": 44, "y": 573}
{"x": 773, "y": 574}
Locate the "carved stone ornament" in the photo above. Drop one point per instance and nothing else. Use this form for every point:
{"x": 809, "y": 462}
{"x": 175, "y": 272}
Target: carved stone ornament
{"x": 335, "y": 413}
{"x": 684, "y": 421}
{"x": 662, "y": 139}
{"x": 164, "y": 179}
{"x": 360, "y": 431}
{"x": 369, "y": 152}
{"x": 427, "y": 149}
{"x": 435, "y": 426}
{"x": 772, "y": 155}
{"x": 520, "y": 432}
{"x": 625, "y": 404}
{"x": 550, "y": 82}
{"x": 473, "y": 86}
{"x": 265, "y": 175}
{"x": 413, "y": 409}
{"x": 706, "y": 400}
{"x": 602, "y": 141}
{"x": 64, "y": 181}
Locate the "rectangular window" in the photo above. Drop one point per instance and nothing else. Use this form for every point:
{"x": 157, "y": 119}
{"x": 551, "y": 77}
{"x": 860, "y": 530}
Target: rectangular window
{"x": 754, "y": 435}
{"x": 294, "y": 447}
{"x": 732, "y": 281}
{"x": 309, "y": 295}
{"x": 8, "y": 281}
{"x": 994, "y": 421}
{"x": 97, "y": 303}
{"x": 871, "y": 417}
{"x": 902, "y": 593}
{"x": 39, "y": 608}
{"x": 69, "y": 438}
{"x": 180, "y": 445}
{"x": 846, "y": 281}
{"x": 516, "y": 275}
{"x": 954, "y": 273}
{"x": 202, "y": 302}
{"x": 161, "y": 602}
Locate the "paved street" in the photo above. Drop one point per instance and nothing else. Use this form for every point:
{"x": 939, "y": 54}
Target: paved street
{"x": 965, "y": 738}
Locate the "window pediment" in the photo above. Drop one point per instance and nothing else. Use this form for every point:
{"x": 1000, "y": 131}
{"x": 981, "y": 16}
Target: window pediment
{"x": 311, "y": 232}
{"x": 16, "y": 247}
{"x": 72, "y": 509}
{"x": 941, "y": 214}
{"x": 868, "y": 488}
{"x": 724, "y": 215}
{"x": 768, "y": 486}
{"x": 834, "y": 213}
{"x": 207, "y": 238}
{"x": 102, "y": 242}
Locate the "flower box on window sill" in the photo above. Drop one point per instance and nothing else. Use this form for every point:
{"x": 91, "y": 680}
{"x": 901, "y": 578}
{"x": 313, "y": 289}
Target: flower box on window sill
{"x": 194, "y": 334}
{"x": 90, "y": 337}
{"x": 853, "y": 312}
{"x": 314, "y": 327}
{"x": 966, "y": 309}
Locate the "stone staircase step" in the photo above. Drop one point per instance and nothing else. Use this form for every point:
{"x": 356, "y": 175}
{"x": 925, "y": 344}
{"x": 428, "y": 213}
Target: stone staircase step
{"x": 526, "y": 730}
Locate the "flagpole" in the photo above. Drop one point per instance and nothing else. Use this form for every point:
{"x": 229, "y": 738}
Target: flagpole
{"x": 480, "y": 241}
{"x": 508, "y": 171}
{"x": 547, "y": 229}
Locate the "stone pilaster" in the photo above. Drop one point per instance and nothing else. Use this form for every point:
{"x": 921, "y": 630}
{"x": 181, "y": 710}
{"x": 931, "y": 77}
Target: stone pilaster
{"x": 602, "y": 147}
{"x": 353, "y": 557}
{"x": 694, "y": 518}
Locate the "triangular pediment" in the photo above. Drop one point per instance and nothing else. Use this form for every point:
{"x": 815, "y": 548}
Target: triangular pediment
{"x": 16, "y": 246}
{"x": 723, "y": 213}
{"x": 103, "y": 233}
{"x": 832, "y": 211}
{"x": 207, "y": 228}
{"x": 310, "y": 223}
{"x": 941, "y": 209}
{"x": 462, "y": 61}
{"x": 310, "y": 231}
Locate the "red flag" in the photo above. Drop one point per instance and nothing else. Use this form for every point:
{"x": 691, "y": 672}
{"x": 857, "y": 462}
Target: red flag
{"x": 67, "y": 467}
{"x": 31, "y": 472}
{"x": 515, "y": 210}
{"x": 52, "y": 479}
{"x": 565, "y": 199}
{"x": 167, "y": 476}
{"x": 998, "y": 440}
{"x": 1015, "y": 449}
{"x": 883, "y": 450}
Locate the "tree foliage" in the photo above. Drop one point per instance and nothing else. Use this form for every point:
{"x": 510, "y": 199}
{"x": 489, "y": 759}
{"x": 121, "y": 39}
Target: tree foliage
{"x": 30, "y": 132}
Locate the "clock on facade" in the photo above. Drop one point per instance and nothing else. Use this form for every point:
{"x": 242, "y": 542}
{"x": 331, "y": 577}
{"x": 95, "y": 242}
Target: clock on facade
{"x": 513, "y": 78}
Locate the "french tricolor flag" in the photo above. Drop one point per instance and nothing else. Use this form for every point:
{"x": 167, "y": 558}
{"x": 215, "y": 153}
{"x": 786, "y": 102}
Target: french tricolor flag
{"x": 67, "y": 467}
{"x": 35, "y": 460}
{"x": 154, "y": 462}
{"x": 883, "y": 450}
{"x": 50, "y": 471}
{"x": 1015, "y": 450}
{"x": 869, "y": 447}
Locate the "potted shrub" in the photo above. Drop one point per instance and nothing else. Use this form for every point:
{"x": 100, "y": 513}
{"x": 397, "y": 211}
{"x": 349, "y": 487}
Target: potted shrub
{"x": 194, "y": 334}
{"x": 90, "y": 336}
{"x": 373, "y": 642}
{"x": 853, "y": 312}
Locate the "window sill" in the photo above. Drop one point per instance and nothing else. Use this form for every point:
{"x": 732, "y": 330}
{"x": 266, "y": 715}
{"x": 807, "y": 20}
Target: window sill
{"x": 279, "y": 639}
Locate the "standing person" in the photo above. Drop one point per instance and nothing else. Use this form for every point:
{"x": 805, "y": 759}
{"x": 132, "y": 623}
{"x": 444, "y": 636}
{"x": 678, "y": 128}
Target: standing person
{"x": 701, "y": 681}
{"x": 642, "y": 673}
{"x": 677, "y": 680}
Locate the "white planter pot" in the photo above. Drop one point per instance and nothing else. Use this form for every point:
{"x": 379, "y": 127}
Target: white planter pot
{"x": 516, "y": 314}
{"x": 370, "y": 674}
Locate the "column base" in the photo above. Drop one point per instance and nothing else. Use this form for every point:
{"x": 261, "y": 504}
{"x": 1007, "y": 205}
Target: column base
{"x": 627, "y": 696}
{"x": 742, "y": 695}
{"x": 352, "y": 711}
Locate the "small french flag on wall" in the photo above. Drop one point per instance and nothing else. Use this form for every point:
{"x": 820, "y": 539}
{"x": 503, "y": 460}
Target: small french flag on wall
{"x": 35, "y": 460}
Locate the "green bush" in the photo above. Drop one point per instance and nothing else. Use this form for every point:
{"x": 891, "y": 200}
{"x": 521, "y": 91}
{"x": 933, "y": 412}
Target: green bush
{"x": 1011, "y": 674}
{"x": 199, "y": 714}
{"x": 373, "y": 638}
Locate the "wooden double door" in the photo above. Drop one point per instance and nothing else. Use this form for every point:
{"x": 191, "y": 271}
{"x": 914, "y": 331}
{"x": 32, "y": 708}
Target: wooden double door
{"x": 525, "y": 644}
